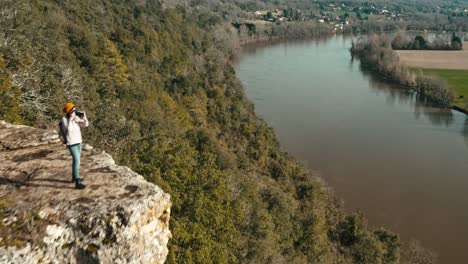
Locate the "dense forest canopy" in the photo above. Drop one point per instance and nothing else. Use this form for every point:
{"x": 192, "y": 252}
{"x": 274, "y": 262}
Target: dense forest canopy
{"x": 162, "y": 96}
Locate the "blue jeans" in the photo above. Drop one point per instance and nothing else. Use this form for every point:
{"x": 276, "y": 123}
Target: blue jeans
{"x": 75, "y": 151}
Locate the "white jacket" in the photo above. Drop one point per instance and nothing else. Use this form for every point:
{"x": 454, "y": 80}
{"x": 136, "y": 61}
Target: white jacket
{"x": 73, "y": 127}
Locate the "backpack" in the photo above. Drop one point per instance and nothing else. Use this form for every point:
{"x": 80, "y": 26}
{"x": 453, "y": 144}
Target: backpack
{"x": 62, "y": 132}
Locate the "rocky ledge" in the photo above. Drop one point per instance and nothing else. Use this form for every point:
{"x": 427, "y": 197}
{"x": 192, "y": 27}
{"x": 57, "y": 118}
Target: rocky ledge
{"x": 118, "y": 218}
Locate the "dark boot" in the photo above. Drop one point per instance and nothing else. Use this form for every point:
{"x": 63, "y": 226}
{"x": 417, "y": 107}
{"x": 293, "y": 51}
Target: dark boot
{"x": 79, "y": 179}
{"x": 79, "y": 186}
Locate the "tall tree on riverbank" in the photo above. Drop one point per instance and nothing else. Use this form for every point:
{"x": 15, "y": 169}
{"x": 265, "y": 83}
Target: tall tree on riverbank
{"x": 456, "y": 42}
{"x": 9, "y": 96}
{"x": 419, "y": 43}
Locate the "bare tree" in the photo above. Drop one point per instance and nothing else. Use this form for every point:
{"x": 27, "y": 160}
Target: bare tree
{"x": 414, "y": 253}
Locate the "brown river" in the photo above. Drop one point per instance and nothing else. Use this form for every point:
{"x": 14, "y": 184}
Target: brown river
{"x": 383, "y": 150}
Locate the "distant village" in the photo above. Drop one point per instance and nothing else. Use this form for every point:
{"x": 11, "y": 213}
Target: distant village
{"x": 340, "y": 15}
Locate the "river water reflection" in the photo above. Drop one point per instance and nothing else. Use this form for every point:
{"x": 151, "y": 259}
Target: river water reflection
{"x": 382, "y": 149}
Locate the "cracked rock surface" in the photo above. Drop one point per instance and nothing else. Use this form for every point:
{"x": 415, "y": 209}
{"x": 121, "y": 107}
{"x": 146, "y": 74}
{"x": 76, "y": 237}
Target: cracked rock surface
{"x": 118, "y": 218}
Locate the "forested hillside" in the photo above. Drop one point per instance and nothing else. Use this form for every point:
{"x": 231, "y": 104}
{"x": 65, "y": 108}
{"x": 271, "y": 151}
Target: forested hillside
{"x": 163, "y": 99}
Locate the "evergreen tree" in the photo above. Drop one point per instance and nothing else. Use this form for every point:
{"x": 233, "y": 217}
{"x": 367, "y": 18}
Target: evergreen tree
{"x": 10, "y": 109}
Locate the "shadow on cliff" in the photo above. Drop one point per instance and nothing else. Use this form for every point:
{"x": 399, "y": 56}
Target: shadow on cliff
{"x": 85, "y": 257}
{"x": 49, "y": 180}
{"x": 6, "y": 181}
{"x": 18, "y": 183}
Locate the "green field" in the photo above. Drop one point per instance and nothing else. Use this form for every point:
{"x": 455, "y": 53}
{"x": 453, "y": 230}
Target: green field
{"x": 457, "y": 80}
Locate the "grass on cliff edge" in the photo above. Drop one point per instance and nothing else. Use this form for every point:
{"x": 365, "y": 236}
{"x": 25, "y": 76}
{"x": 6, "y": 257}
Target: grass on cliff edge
{"x": 457, "y": 81}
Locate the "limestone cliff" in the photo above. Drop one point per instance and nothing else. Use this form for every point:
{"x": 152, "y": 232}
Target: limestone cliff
{"x": 119, "y": 218}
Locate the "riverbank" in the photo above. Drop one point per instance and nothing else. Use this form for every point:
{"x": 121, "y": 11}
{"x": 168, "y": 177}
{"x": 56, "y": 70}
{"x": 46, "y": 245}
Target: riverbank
{"x": 375, "y": 53}
{"x": 256, "y": 33}
{"x": 459, "y": 109}
{"x": 457, "y": 80}
{"x": 451, "y": 66}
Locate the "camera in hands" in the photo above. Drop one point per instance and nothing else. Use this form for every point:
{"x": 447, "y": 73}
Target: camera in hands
{"x": 80, "y": 114}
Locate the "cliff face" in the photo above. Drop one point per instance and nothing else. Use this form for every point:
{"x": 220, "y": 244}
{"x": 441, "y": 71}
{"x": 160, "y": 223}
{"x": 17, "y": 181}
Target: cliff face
{"x": 118, "y": 218}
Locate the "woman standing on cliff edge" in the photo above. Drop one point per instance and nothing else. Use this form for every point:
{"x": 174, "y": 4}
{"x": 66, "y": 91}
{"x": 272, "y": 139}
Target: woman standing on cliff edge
{"x": 70, "y": 132}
